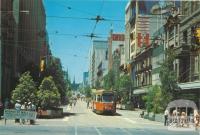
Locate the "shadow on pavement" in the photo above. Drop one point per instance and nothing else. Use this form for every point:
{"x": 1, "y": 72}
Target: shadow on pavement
{"x": 109, "y": 114}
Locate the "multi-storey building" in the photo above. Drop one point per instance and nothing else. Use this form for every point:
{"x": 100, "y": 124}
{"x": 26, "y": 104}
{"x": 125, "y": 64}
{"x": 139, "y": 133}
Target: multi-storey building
{"x": 141, "y": 25}
{"x": 180, "y": 35}
{"x": 23, "y": 40}
{"x": 115, "y": 40}
{"x": 157, "y": 55}
{"x": 85, "y": 79}
{"x": 122, "y": 59}
{"x": 9, "y": 22}
{"x": 32, "y": 33}
{"x": 98, "y": 62}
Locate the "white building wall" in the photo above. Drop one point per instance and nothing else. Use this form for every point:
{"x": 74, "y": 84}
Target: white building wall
{"x": 97, "y": 55}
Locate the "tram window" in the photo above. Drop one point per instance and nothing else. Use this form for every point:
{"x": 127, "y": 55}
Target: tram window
{"x": 98, "y": 98}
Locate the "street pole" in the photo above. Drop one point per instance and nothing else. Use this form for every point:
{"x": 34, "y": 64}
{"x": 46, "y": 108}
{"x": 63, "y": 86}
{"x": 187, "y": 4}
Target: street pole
{"x": 0, "y": 60}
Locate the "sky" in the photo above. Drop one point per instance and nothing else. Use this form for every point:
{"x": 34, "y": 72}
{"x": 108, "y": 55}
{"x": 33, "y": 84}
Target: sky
{"x": 67, "y": 20}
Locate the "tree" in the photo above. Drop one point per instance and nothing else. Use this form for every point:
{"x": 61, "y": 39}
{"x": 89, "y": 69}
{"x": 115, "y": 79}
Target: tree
{"x": 26, "y": 90}
{"x": 68, "y": 86}
{"x": 54, "y": 69}
{"x": 123, "y": 87}
{"x": 153, "y": 99}
{"x": 88, "y": 92}
{"x": 48, "y": 93}
{"x": 168, "y": 77}
{"x": 109, "y": 80}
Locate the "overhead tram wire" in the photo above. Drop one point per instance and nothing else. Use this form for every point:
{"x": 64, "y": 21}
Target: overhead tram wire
{"x": 98, "y": 18}
{"x": 89, "y": 13}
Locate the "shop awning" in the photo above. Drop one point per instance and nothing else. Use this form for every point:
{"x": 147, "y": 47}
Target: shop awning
{"x": 189, "y": 85}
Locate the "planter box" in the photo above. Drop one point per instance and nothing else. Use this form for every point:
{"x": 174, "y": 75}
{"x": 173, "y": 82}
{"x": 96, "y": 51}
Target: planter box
{"x": 159, "y": 118}
{"x": 151, "y": 116}
{"x": 50, "y": 113}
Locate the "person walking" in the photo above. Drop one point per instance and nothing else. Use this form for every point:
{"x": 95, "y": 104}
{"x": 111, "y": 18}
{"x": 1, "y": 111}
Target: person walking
{"x": 23, "y": 108}
{"x": 88, "y": 103}
{"x": 18, "y": 108}
{"x": 32, "y": 108}
{"x": 166, "y": 113}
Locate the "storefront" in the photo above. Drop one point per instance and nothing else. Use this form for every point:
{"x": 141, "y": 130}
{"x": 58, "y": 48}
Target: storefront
{"x": 190, "y": 91}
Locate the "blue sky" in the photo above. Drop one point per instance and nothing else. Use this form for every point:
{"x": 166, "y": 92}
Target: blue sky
{"x": 72, "y": 51}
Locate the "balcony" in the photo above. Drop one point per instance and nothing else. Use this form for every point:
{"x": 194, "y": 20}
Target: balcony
{"x": 144, "y": 69}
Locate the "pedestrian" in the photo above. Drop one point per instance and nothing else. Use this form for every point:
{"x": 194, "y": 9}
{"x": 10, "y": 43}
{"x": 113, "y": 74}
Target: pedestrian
{"x": 74, "y": 102}
{"x": 17, "y": 108}
{"x": 32, "y": 107}
{"x": 197, "y": 120}
{"x": 166, "y": 113}
{"x": 23, "y": 108}
{"x": 88, "y": 104}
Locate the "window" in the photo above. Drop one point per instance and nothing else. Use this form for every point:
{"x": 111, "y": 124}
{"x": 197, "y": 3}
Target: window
{"x": 98, "y": 98}
{"x": 108, "y": 98}
{"x": 176, "y": 67}
{"x": 196, "y": 65}
{"x": 131, "y": 37}
{"x": 106, "y": 55}
{"x": 132, "y": 48}
{"x": 194, "y": 5}
{"x": 185, "y": 8}
{"x": 147, "y": 78}
{"x": 185, "y": 36}
{"x": 122, "y": 51}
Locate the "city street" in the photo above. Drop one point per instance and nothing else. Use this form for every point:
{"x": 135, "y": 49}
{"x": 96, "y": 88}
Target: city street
{"x": 82, "y": 121}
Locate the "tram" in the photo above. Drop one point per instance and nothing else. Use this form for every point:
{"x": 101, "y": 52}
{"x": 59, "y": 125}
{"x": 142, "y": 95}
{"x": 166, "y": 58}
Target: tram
{"x": 104, "y": 102}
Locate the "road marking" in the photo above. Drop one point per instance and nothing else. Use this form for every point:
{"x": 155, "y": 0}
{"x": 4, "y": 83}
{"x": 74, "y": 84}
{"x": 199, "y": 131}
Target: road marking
{"x": 98, "y": 131}
{"x": 76, "y": 130}
{"x": 126, "y": 131}
{"x": 144, "y": 122}
{"x": 131, "y": 121}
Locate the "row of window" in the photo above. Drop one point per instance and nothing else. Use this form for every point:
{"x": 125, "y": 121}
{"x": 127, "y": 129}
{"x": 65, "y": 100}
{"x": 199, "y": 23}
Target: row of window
{"x": 187, "y": 5}
{"x": 144, "y": 79}
{"x": 195, "y": 68}
{"x": 143, "y": 64}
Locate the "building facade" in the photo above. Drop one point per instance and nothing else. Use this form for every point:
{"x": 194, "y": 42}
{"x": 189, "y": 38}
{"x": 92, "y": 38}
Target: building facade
{"x": 23, "y": 41}
{"x": 143, "y": 19}
{"x": 85, "y": 79}
{"x": 9, "y": 44}
{"x": 187, "y": 62}
{"x": 98, "y": 62}
{"x": 115, "y": 40}
{"x": 158, "y": 54}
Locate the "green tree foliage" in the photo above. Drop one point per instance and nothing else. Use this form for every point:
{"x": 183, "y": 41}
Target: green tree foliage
{"x": 67, "y": 86}
{"x": 154, "y": 99}
{"x": 26, "y": 90}
{"x": 123, "y": 87}
{"x": 88, "y": 92}
{"x": 168, "y": 77}
{"x": 54, "y": 69}
{"x": 109, "y": 80}
{"x": 48, "y": 94}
